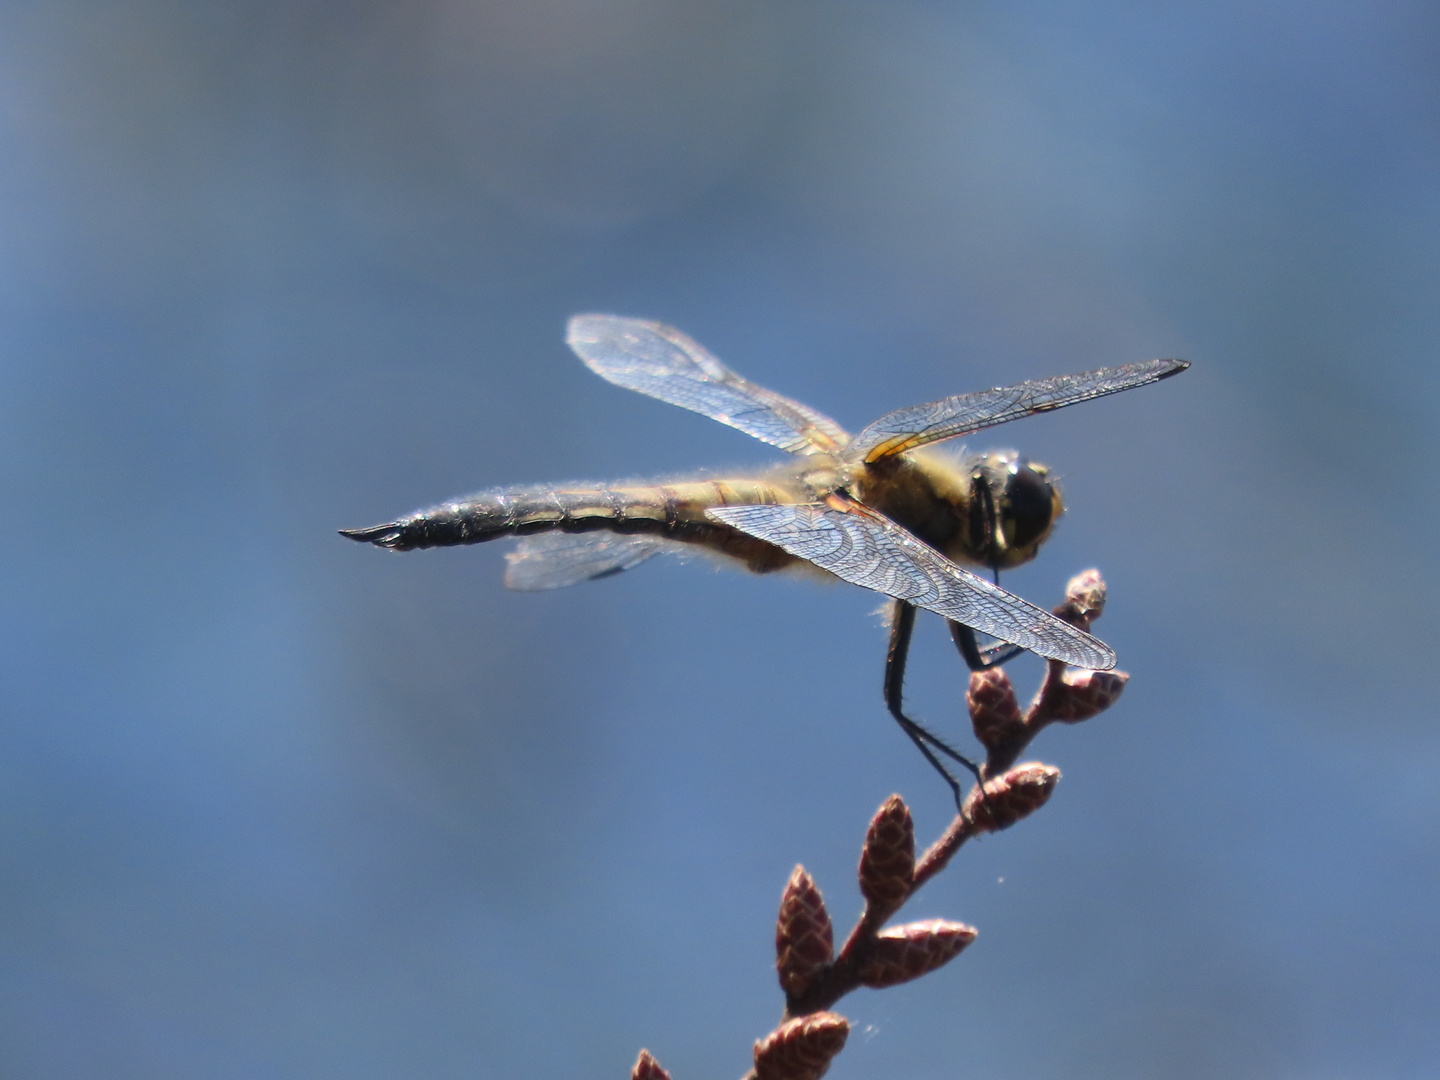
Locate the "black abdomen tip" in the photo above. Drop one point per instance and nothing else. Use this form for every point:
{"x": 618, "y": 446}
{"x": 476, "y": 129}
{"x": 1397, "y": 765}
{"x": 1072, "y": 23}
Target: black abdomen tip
{"x": 384, "y": 535}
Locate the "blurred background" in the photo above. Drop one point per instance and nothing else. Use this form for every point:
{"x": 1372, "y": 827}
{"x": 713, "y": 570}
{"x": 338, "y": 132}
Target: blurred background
{"x": 275, "y": 805}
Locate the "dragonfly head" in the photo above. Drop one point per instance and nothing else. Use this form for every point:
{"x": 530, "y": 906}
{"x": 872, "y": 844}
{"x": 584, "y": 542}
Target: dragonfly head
{"x": 1013, "y": 506}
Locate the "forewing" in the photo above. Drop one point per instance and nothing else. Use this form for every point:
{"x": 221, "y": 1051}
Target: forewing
{"x": 865, "y": 548}
{"x": 905, "y": 429}
{"x": 554, "y": 560}
{"x": 660, "y": 361}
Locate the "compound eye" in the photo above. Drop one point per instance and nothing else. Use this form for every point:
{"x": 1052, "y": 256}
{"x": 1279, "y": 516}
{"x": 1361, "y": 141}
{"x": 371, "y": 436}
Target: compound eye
{"x": 1029, "y": 506}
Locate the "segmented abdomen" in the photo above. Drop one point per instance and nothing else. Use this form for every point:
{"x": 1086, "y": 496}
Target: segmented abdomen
{"x": 676, "y": 511}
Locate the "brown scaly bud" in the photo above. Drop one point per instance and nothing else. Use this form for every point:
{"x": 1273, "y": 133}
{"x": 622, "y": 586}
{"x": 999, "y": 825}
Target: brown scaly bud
{"x": 1084, "y": 599}
{"x": 802, "y": 1048}
{"x": 906, "y": 952}
{"x": 887, "y": 861}
{"x": 647, "y": 1068}
{"x": 1077, "y": 696}
{"x": 994, "y": 713}
{"x": 1014, "y": 794}
{"x": 804, "y": 939}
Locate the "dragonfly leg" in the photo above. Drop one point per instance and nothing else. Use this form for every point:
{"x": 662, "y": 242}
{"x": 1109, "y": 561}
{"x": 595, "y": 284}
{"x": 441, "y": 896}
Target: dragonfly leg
{"x": 976, "y": 658}
{"x": 902, "y": 626}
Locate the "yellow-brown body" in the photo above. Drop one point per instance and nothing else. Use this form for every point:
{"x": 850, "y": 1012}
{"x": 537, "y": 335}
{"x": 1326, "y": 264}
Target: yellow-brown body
{"x": 962, "y": 507}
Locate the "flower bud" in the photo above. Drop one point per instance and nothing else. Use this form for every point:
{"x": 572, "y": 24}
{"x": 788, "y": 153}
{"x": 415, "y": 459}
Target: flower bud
{"x": 1015, "y": 794}
{"x": 994, "y": 713}
{"x": 802, "y": 1048}
{"x": 1085, "y": 592}
{"x": 906, "y": 952}
{"x": 647, "y": 1068}
{"x": 1079, "y": 695}
{"x": 804, "y": 939}
{"x": 887, "y": 861}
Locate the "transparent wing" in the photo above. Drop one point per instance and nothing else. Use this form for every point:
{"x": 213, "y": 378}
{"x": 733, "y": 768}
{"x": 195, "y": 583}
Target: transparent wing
{"x": 660, "y": 361}
{"x": 905, "y": 429}
{"x": 554, "y": 560}
{"x": 865, "y": 548}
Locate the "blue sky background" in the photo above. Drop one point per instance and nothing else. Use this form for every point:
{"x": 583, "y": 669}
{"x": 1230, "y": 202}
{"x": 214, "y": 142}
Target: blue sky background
{"x": 276, "y": 806}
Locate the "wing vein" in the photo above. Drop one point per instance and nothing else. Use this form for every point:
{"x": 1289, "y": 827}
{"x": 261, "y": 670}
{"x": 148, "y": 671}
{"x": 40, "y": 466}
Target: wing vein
{"x": 917, "y": 425}
{"x": 865, "y": 548}
{"x": 661, "y": 362}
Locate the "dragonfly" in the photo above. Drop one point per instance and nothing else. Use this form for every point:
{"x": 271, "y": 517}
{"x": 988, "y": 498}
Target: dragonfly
{"x": 881, "y": 509}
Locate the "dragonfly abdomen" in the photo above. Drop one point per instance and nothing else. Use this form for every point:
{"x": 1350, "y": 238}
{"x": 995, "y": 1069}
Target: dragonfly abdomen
{"x": 675, "y": 511}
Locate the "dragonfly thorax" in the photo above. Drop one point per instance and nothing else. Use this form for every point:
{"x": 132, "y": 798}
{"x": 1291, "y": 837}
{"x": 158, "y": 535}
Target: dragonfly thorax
{"x": 992, "y": 510}
{"x": 823, "y": 475}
